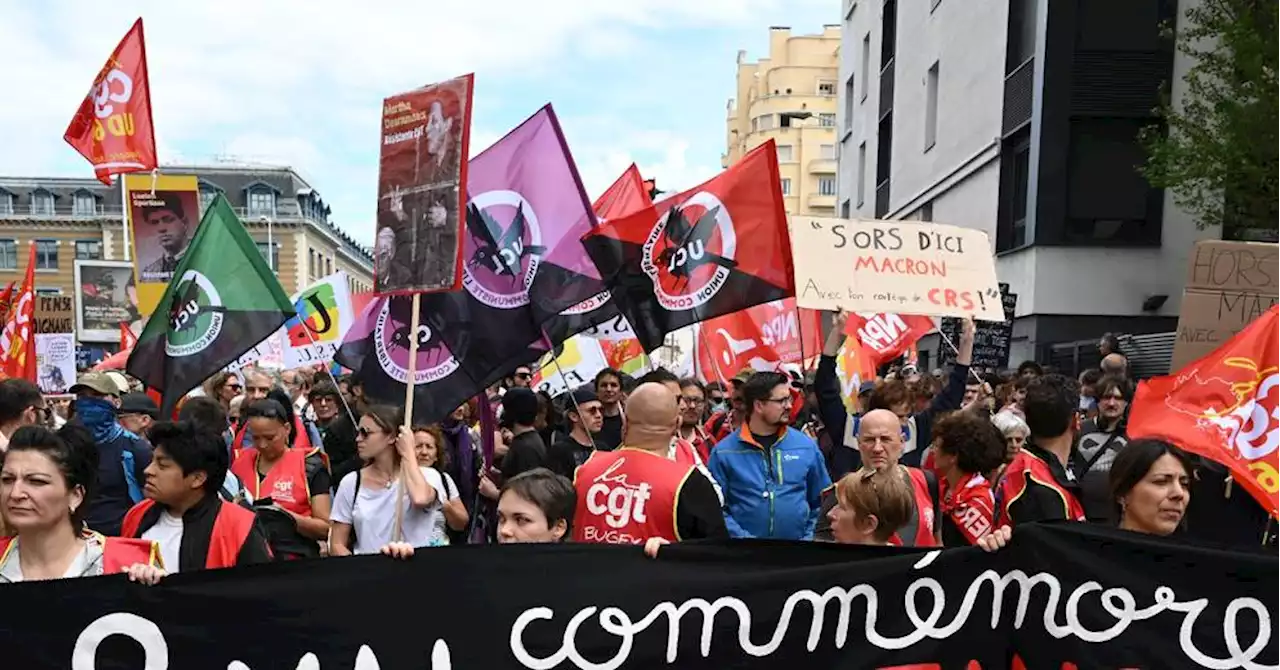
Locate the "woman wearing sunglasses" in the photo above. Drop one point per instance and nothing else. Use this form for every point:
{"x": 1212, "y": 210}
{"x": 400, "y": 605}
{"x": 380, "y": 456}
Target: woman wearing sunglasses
{"x": 391, "y": 498}
{"x": 292, "y": 482}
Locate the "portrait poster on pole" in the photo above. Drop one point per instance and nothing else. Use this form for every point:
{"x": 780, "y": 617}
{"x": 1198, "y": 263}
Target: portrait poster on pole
{"x": 105, "y": 297}
{"x": 422, "y": 172}
{"x": 163, "y": 213}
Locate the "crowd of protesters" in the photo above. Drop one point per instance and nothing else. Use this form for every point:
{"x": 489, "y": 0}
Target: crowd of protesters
{"x": 260, "y": 466}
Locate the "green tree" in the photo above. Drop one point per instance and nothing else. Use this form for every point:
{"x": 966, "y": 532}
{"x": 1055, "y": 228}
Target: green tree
{"x": 1217, "y": 151}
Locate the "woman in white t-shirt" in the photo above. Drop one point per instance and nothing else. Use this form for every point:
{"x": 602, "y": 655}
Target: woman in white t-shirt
{"x": 383, "y": 502}
{"x": 429, "y": 441}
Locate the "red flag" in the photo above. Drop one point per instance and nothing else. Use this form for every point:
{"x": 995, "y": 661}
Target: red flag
{"x": 1223, "y": 407}
{"x": 17, "y": 340}
{"x": 717, "y": 248}
{"x": 6, "y": 302}
{"x": 625, "y": 196}
{"x": 763, "y": 337}
{"x": 887, "y": 336}
{"x": 127, "y": 338}
{"x": 112, "y": 128}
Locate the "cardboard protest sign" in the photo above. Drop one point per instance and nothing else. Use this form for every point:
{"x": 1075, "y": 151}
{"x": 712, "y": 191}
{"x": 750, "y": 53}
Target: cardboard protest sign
{"x": 54, "y": 314}
{"x": 163, "y": 212}
{"x": 55, "y": 361}
{"x": 900, "y": 267}
{"x": 991, "y": 341}
{"x": 421, "y": 171}
{"x": 1229, "y": 284}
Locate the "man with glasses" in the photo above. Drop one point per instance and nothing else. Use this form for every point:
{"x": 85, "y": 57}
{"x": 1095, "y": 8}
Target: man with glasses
{"x": 21, "y": 404}
{"x": 522, "y": 378}
{"x": 1101, "y": 438}
{"x": 582, "y": 411}
{"x": 772, "y": 476}
{"x": 691, "y": 417}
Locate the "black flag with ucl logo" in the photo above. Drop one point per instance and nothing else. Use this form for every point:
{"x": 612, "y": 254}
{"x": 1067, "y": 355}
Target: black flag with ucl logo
{"x": 715, "y": 249}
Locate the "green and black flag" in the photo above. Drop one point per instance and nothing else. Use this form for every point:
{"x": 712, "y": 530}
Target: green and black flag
{"x": 223, "y": 300}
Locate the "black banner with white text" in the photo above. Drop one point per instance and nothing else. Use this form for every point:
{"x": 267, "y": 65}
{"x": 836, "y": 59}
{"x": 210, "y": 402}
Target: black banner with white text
{"x": 1093, "y": 598}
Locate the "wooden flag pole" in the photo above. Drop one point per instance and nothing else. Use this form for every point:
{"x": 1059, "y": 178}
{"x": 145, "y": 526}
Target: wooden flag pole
{"x": 413, "y": 361}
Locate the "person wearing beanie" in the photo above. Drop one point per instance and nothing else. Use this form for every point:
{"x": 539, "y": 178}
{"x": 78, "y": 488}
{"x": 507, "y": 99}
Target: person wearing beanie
{"x": 583, "y": 413}
{"x": 526, "y": 451}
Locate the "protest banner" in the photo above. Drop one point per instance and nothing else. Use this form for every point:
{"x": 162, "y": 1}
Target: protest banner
{"x": 763, "y": 337}
{"x": 1229, "y": 284}
{"x": 1062, "y": 596}
{"x": 55, "y": 314}
{"x": 896, "y": 267}
{"x": 105, "y": 298}
{"x": 422, "y": 170}
{"x": 55, "y": 362}
{"x": 991, "y": 341}
{"x": 324, "y": 315}
{"x": 163, "y": 213}
{"x": 570, "y": 366}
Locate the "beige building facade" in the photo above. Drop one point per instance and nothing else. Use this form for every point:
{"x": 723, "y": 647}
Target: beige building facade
{"x": 790, "y": 97}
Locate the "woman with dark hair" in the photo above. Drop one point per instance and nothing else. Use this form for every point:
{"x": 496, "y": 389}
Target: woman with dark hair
{"x": 1150, "y": 486}
{"x": 966, "y": 445}
{"x": 45, "y": 484}
{"x": 293, "y": 481}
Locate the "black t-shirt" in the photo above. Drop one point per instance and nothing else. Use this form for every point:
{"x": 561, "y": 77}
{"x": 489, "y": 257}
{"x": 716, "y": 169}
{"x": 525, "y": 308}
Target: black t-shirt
{"x": 766, "y": 441}
{"x": 565, "y": 455}
{"x": 610, "y": 436}
{"x": 526, "y": 453}
{"x": 698, "y": 513}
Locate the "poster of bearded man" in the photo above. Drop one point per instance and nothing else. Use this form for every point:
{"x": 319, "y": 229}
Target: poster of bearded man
{"x": 421, "y": 182}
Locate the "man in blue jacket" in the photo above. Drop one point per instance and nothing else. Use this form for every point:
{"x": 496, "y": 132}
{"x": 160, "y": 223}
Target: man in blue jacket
{"x": 772, "y": 476}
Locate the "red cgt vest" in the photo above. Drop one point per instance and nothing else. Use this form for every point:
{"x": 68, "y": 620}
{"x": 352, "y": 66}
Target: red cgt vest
{"x": 286, "y": 484}
{"x": 230, "y": 529}
{"x": 118, "y": 553}
{"x": 627, "y": 496}
{"x": 924, "y": 512}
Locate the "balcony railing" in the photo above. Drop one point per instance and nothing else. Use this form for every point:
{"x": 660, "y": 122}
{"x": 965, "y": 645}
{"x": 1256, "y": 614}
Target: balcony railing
{"x": 821, "y": 200}
{"x": 822, "y": 166}
{"x": 66, "y": 212}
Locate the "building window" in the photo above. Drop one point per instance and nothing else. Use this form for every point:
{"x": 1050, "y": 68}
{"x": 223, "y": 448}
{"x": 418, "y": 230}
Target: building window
{"x": 862, "y": 173}
{"x": 42, "y": 203}
{"x": 849, "y": 92}
{"x": 262, "y": 203}
{"x": 206, "y": 199}
{"x": 827, "y": 120}
{"x": 88, "y": 250}
{"x": 8, "y": 254}
{"x": 311, "y": 263}
{"x": 1021, "y": 44}
{"x": 274, "y": 259}
{"x": 926, "y": 212}
{"x": 766, "y": 122}
{"x": 826, "y": 186}
{"x": 1015, "y": 161}
{"x": 328, "y": 266}
{"x": 786, "y": 186}
{"x": 931, "y": 107}
{"x": 46, "y": 254}
{"x": 6, "y": 203}
{"x": 827, "y": 151}
{"x": 864, "y": 68}
{"x": 84, "y": 204}
{"x": 785, "y": 153}
{"x": 826, "y": 87}
{"x": 846, "y": 209}
{"x": 888, "y": 32}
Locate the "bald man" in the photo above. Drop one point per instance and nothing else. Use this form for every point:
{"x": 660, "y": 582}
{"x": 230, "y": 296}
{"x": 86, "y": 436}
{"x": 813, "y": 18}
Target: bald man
{"x": 635, "y": 492}
{"x": 880, "y": 441}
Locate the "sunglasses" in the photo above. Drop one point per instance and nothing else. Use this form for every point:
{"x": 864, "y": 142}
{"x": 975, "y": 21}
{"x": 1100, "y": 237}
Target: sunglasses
{"x": 524, "y": 375}
{"x": 365, "y": 432}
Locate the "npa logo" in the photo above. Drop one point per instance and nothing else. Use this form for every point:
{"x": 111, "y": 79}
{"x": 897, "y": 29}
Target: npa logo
{"x": 618, "y": 502}
{"x": 505, "y": 247}
{"x": 690, "y": 252}
{"x": 392, "y": 342}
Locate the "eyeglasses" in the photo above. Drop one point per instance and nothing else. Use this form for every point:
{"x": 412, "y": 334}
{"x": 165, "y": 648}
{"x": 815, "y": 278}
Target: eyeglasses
{"x": 363, "y": 432}
{"x": 693, "y": 401}
{"x": 234, "y": 387}
{"x": 524, "y": 375}
{"x": 780, "y": 401}
{"x": 589, "y": 410}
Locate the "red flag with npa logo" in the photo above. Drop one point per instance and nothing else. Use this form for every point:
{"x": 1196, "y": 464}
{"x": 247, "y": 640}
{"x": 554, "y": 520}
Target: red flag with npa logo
{"x": 112, "y": 128}
{"x": 764, "y": 337}
{"x": 717, "y": 248}
{"x": 887, "y": 336}
{"x": 1224, "y": 408}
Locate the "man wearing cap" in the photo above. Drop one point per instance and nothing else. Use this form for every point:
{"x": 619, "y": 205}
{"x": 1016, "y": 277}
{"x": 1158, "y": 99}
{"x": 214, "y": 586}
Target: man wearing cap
{"x": 585, "y": 420}
{"x": 137, "y": 412}
{"x": 122, "y": 456}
